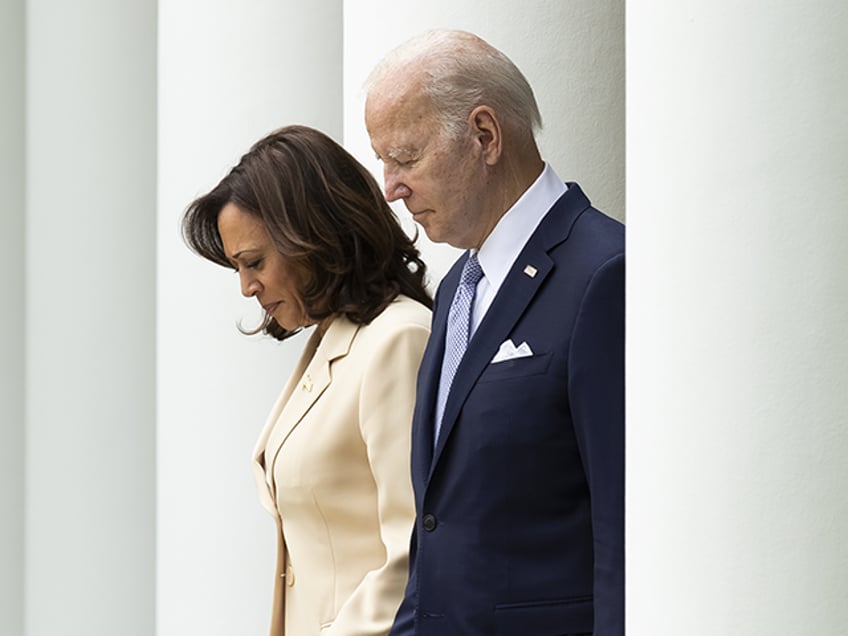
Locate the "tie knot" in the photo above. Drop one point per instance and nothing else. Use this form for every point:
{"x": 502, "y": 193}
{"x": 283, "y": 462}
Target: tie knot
{"x": 471, "y": 271}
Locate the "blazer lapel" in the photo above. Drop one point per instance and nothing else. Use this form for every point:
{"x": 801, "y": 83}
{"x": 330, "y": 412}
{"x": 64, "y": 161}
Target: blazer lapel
{"x": 308, "y": 381}
{"x": 510, "y": 303}
{"x": 265, "y": 496}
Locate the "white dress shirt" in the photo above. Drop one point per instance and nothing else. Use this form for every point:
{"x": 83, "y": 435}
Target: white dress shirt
{"x": 510, "y": 235}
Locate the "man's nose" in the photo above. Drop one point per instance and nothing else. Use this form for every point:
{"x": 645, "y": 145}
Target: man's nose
{"x": 395, "y": 187}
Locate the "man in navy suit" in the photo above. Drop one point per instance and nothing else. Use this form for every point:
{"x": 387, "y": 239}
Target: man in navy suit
{"x": 518, "y": 432}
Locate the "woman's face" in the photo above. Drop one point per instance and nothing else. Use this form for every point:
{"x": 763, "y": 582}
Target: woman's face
{"x": 263, "y": 271}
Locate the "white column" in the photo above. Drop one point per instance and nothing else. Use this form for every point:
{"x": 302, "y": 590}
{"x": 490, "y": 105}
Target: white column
{"x": 229, "y": 72}
{"x": 572, "y": 53}
{"x": 737, "y": 308}
{"x": 90, "y": 258}
{"x": 12, "y": 316}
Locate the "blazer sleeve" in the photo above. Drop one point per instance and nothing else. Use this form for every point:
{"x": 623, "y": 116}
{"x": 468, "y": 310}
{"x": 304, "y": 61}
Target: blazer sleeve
{"x": 387, "y": 397}
{"x": 596, "y": 391}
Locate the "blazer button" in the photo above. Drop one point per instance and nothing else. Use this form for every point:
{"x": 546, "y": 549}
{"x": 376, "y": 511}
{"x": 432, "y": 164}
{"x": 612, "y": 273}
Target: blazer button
{"x": 289, "y": 575}
{"x": 429, "y": 522}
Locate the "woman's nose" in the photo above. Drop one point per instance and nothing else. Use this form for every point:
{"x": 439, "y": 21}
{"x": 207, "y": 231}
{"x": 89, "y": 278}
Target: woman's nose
{"x": 249, "y": 285}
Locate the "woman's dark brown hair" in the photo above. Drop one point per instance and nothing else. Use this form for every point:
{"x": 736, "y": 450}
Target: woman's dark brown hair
{"x": 326, "y": 215}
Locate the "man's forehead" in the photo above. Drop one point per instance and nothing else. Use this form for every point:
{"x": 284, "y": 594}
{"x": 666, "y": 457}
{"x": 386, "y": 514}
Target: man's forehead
{"x": 401, "y": 88}
{"x": 401, "y": 142}
{"x": 391, "y": 104}
{"x": 399, "y": 121}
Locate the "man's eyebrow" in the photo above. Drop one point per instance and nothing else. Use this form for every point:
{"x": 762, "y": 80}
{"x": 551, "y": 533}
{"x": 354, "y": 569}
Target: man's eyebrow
{"x": 395, "y": 152}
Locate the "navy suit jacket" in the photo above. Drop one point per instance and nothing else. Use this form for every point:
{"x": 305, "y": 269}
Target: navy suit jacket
{"x": 520, "y": 506}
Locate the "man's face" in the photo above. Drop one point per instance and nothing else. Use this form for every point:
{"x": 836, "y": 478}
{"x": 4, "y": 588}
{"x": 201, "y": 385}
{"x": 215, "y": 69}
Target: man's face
{"x": 442, "y": 181}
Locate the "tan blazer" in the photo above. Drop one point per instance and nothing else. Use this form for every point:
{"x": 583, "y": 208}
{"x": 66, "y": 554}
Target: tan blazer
{"x": 336, "y": 450}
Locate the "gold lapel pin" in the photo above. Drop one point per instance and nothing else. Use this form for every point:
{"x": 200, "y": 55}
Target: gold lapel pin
{"x": 530, "y": 271}
{"x": 307, "y": 383}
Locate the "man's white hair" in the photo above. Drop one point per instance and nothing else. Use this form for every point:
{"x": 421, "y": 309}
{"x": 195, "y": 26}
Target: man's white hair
{"x": 459, "y": 71}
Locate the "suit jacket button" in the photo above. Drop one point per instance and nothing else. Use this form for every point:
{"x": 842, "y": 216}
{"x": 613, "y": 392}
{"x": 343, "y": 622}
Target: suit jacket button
{"x": 289, "y": 575}
{"x": 429, "y": 522}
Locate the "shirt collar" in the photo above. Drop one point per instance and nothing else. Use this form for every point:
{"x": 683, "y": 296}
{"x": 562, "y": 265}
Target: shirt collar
{"x": 510, "y": 235}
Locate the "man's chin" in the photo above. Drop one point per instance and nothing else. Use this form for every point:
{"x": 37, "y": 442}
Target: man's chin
{"x": 431, "y": 232}
{"x": 433, "y": 235}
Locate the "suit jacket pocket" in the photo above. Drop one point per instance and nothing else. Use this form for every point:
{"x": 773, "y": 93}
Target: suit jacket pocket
{"x": 545, "y": 618}
{"x": 516, "y": 368}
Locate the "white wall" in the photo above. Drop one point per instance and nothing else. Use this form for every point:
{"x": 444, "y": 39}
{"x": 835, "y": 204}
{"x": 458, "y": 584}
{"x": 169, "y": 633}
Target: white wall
{"x": 229, "y": 72}
{"x": 737, "y": 312}
{"x": 90, "y": 258}
{"x": 572, "y": 53}
{"x": 12, "y": 316}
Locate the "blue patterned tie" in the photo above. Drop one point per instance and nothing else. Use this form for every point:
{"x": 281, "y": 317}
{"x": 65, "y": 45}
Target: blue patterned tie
{"x": 458, "y": 332}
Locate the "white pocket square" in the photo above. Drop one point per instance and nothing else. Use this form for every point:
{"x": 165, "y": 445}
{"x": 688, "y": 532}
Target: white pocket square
{"x": 508, "y": 351}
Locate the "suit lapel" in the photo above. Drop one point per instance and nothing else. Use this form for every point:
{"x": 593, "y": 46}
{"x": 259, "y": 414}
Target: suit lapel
{"x": 510, "y": 303}
{"x": 428, "y": 376}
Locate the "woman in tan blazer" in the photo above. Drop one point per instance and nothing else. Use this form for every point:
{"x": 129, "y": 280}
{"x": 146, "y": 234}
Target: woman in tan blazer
{"x": 313, "y": 239}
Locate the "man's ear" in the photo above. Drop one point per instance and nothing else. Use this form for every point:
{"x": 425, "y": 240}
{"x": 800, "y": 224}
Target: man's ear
{"x": 487, "y": 133}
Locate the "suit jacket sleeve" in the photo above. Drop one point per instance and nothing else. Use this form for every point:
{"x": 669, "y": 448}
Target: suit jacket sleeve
{"x": 386, "y": 402}
{"x": 596, "y": 390}
{"x": 404, "y": 624}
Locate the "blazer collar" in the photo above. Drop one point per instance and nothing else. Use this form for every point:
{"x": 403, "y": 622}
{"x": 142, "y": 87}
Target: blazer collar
{"x": 510, "y": 303}
{"x": 308, "y": 381}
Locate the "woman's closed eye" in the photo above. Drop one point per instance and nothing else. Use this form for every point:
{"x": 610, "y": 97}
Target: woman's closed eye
{"x": 251, "y": 265}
